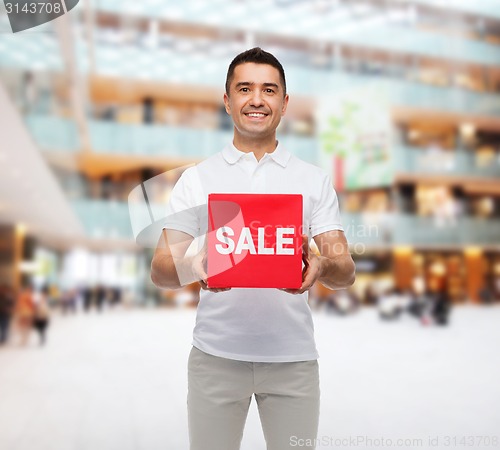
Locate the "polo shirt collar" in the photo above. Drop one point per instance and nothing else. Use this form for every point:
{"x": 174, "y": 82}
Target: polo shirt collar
{"x": 232, "y": 155}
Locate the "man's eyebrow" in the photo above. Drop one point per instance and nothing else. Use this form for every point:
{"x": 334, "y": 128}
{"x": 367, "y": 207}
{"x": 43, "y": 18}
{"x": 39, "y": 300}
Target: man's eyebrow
{"x": 251, "y": 83}
{"x": 244, "y": 83}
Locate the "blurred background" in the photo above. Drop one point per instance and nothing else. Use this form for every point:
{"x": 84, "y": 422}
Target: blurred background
{"x": 116, "y": 93}
{"x": 399, "y": 100}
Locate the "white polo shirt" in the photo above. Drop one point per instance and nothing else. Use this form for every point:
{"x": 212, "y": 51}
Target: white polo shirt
{"x": 258, "y": 325}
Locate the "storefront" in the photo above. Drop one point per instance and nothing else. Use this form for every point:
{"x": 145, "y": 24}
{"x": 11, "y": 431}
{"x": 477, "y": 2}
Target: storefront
{"x": 462, "y": 273}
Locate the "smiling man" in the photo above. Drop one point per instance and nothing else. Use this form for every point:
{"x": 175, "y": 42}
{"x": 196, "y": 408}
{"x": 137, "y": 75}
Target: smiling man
{"x": 253, "y": 342}
{"x": 256, "y": 100}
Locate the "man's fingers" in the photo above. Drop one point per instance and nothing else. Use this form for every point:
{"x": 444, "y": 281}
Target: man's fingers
{"x": 305, "y": 244}
{"x": 301, "y": 290}
{"x": 206, "y": 288}
{"x": 198, "y": 266}
{"x": 308, "y": 277}
{"x": 305, "y": 249}
{"x": 200, "y": 273}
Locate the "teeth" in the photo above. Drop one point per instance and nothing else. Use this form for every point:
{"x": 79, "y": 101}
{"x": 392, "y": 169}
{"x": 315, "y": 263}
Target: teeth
{"x": 256, "y": 115}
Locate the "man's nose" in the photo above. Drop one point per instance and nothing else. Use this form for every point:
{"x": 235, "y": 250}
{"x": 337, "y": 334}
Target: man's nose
{"x": 257, "y": 99}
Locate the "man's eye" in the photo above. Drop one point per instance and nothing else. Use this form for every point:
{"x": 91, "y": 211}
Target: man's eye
{"x": 244, "y": 89}
{"x": 270, "y": 91}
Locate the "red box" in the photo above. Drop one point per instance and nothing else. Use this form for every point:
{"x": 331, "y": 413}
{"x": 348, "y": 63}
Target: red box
{"x": 254, "y": 240}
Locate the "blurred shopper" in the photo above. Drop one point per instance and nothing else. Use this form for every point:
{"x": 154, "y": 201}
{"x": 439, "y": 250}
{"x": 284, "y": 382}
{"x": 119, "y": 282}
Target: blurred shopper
{"x": 115, "y": 296}
{"x": 7, "y": 303}
{"x": 371, "y": 294}
{"x": 100, "y": 297}
{"x": 54, "y": 295}
{"x": 253, "y": 342}
{"x": 419, "y": 303}
{"x": 29, "y": 92}
{"x": 442, "y": 307}
{"x": 42, "y": 314}
{"x": 496, "y": 287}
{"x": 88, "y": 297}
{"x": 68, "y": 301}
{"x": 25, "y": 313}
{"x": 392, "y": 304}
{"x": 343, "y": 302}
{"x": 486, "y": 295}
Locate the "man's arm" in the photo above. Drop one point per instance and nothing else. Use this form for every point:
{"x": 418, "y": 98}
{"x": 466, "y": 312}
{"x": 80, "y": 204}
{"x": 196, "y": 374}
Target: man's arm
{"x": 170, "y": 268}
{"x": 334, "y": 267}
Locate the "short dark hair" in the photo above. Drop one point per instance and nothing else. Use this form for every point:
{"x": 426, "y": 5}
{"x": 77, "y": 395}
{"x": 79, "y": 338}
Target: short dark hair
{"x": 258, "y": 56}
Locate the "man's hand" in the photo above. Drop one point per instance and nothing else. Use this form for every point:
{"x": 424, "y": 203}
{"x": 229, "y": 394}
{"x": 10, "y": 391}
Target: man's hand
{"x": 199, "y": 268}
{"x": 334, "y": 268}
{"x": 311, "y": 271}
{"x": 172, "y": 269}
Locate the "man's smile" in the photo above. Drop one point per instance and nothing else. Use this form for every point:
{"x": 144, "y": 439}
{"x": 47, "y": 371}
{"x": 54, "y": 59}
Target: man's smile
{"x": 256, "y": 115}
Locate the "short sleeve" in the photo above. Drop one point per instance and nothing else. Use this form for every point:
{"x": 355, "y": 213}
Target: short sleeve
{"x": 326, "y": 215}
{"x": 183, "y": 208}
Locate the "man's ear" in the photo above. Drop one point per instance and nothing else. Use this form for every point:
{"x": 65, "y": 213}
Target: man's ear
{"x": 285, "y": 104}
{"x": 226, "y": 103}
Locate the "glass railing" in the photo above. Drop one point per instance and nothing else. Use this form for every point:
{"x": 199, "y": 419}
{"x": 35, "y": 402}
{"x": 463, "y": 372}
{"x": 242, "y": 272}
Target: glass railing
{"x": 416, "y": 230}
{"x": 397, "y": 92}
{"x": 53, "y": 133}
{"x": 111, "y": 219}
{"x": 167, "y": 66}
{"x": 159, "y": 140}
{"x": 38, "y": 51}
{"x": 488, "y": 8}
{"x": 373, "y": 28}
{"x": 60, "y": 134}
{"x": 104, "y": 218}
{"x": 382, "y": 229}
{"x": 180, "y": 142}
{"x": 444, "y": 162}
{"x": 200, "y": 70}
{"x": 374, "y": 230}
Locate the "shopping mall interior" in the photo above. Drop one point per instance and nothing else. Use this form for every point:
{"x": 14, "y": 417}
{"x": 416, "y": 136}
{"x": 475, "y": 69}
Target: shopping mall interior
{"x": 117, "y": 94}
{"x": 399, "y": 101}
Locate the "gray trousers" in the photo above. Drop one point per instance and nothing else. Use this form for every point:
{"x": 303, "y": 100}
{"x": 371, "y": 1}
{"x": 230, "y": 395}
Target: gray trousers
{"x": 219, "y": 395}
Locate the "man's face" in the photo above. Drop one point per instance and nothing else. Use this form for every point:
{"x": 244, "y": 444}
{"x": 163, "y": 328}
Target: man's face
{"x": 255, "y": 102}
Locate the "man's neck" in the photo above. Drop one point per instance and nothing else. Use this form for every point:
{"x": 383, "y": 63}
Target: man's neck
{"x": 259, "y": 147}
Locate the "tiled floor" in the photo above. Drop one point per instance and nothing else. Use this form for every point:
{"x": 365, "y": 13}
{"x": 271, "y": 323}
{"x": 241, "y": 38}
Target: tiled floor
{"x": 117, "y": 381}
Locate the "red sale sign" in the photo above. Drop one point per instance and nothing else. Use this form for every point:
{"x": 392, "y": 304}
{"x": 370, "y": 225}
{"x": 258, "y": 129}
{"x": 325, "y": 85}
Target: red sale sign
{"x": 254, "y": 240}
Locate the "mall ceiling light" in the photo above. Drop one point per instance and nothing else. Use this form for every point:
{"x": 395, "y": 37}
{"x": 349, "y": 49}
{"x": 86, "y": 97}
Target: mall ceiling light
{"x": 322, "y": 6}
{"x": 358, "y": 25}
{"x": 468, "y": 130}
{"x": 184, "y": 46}
{"x": 360, "y": 9}
{"x": 285, "y": 3}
